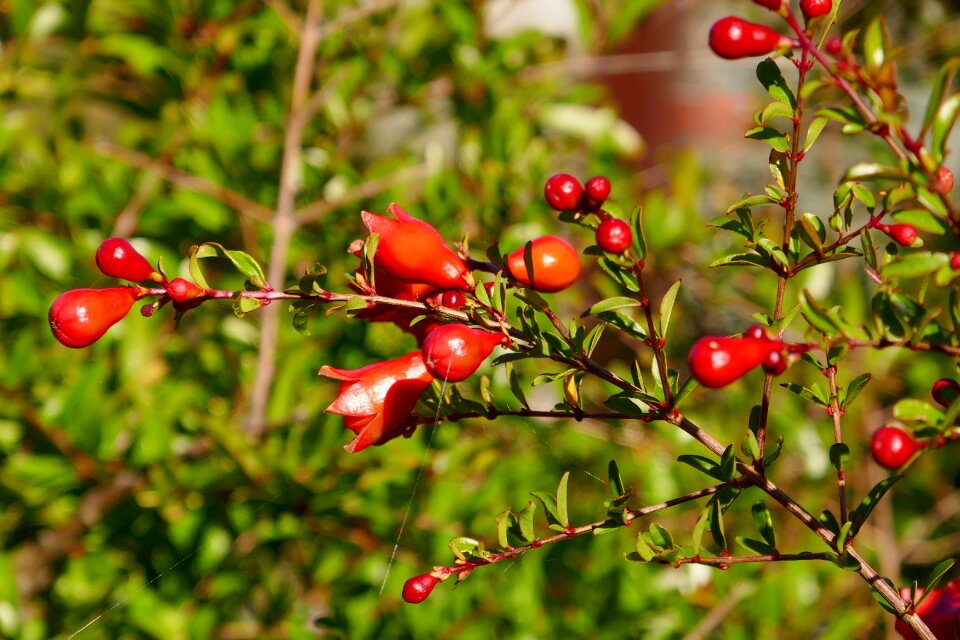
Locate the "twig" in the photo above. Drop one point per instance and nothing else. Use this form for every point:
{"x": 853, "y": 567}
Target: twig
{"x": 316, "y": 210}
{"x": 284, "y": 220}
{"x": 240, "y": 203}
{"x": 836, "y": 413}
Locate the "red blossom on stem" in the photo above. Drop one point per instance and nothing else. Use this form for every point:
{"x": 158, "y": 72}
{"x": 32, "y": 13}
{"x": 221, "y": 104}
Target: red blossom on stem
{"x": 376, "y": 400}
{"x": 940, "y": 611}
{"x": 411, "y": 250}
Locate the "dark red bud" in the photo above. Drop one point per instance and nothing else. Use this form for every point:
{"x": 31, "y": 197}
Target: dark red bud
{"x": 118, "y": 259}
{"x": 418, "y": 588}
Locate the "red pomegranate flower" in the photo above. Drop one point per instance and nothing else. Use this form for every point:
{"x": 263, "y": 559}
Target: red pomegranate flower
{"x": 940, "y": 611}
{"x": 411, "y": 250}
{"x": 375, "y": 400}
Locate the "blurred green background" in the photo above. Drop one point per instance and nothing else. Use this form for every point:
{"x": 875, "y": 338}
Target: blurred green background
{"x": 146, "y": 491}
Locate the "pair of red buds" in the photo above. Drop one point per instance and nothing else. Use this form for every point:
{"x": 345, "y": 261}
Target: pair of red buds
{"x": 716, "y": 361}
{"x": 733, "y": 37}
{"x": 80, "y": 317}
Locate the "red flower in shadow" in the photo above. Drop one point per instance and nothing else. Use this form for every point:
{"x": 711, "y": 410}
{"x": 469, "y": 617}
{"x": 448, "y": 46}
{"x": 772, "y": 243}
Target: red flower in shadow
{"x": 376, "y": 400}
{"x": 940, "y": 611}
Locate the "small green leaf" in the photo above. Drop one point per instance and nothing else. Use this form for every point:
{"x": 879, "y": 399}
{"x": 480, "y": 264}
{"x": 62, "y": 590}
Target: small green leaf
{"x": 660, "y": 537}
{"x": 771, "y": 136}
{"x": 505, "y": 521}
{"x": 829, "y": 520}
{"x": 839, "y": 456}
{"x": 844, "y": 535}
{"x": 942, "y": 126}
{"x": 616, "y": 482}
{"x": 699, "y": 529}
{"x": 703, "y": 465}
{"x": 943, "y": 81}
{"x": 869, "y": 503}
{"x": 816, "y": 316}
{"x": 912, "y": 409}
{"x": 875, "y": 45}
{"x": 764, "y": 522}
{"x": 728, "y": 463}
{"x": 934, "y": 578}
{"x": 666, "y": 308}
{"x": 644, "y": 550}
{"x": 915, "y": 264}
{"x": 755, "y": 546}
{"x": 854, "y": 388}
{"x": 639, "y": 239}
{"x": 562, "y": 499}
{"x": 813, "y": 132}
{"x": 525, "y": 522}
{"x": 610, "y": 304}
{"x": 770, "y": 76}
{"x": 515, "y": 386}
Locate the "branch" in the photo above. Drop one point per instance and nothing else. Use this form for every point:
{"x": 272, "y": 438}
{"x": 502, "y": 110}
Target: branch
{"x": 284, "y": 220}
{"x": 240, "y": 203}
{"x": 836, "y": 413}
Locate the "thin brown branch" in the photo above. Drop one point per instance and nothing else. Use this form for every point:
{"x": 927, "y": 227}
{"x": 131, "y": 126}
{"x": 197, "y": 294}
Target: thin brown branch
{"x": 837, "y": 413}
{"x": 316, "y": 210}
{"x": 284, "y": 220}
{"x": 240, "y": 203}
{"x": 348, "y": 17}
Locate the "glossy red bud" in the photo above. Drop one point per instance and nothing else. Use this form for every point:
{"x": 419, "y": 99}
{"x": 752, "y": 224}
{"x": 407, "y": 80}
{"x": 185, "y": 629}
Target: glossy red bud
{"x": 773, "y": 5}
{"x": 613, "y": 235}
{"x": 945, "y": 179}
{"x": 597, "y": 189}
{"x": 775, "y": 363}
{"x": 892, "y": 446}
{"x": 181, "y": 290}
{"x": 418, "y": 588}
{"x": 453, "y": 352}
{"x": 734, "y": 37}
{"x": 815, "y": 8}
{"x": 118, "y": 259}
{"x": 903, "y": 234}
{"x": 944, "y": 391}
{"x": 562, "y": 192}
{"x": 556, "y": 264}
{"x": 78, "y": 318}
{"x": 716, "y": 361}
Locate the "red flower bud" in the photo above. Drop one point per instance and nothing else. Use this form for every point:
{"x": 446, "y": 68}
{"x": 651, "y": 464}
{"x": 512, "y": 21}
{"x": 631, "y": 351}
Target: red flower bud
{"x": 834, "y": 45}
{"x": 78, "y": 318}
{"x": 773, "y": 5}
{"x": 734, "y": 37}
{"x": 118, "y": 259}
{"x": 940, "y": 611}
{"x": 892, "y": 446}
{"x": 716, "y": 361}
{"x": 597, "y": 189}
{"x": 556, "y": 264}
{"x": 418, "y": 588}
{"x": 453, "y": 352}
{"x": 903, "y": 234}
{"x": 375, "y": 400}
{"x": 945, "y": 179}
{"x": 614, "y": 235}
{"x": 562, "y": 192}
{"x": 815, "y": 8}
{"x": 181, "y": 290}
{"x": 411, "y": 250}
{"x": 944, "y": 391}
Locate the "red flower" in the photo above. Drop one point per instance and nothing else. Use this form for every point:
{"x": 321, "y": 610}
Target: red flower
{"x": 940, "y": 611}
{"x": 410, "y": 250}
{"x": 375, "y": 400}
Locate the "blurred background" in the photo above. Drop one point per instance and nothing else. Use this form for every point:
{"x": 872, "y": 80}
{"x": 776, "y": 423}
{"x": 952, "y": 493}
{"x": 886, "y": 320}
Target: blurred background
{"x": 183, "y": 481}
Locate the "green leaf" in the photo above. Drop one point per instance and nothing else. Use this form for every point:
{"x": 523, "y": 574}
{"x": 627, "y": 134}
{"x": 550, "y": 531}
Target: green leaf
{"x": 911, "y": 409}
{"x": 740, "y": 259}
{"x": 505, "y": 521}
{"x": 624, "y": 322}
{"x": 755, "y": 546}
{"x": 944, "y": 80}
{"x": 751, "y": 201}
{"x": 873, "y": 171}
{"x": 773, "y": 110}
{"x": 562, "y": 499}
{"x": 525, "y": 522}
{"x": 644, "y": 550}
{"x": 717, "y": 530}
{"x": 616, "y": 482}
{"x": 875, "y": 45}
{"x": 829, "y": 520}
{"x": 839, "y": 456}
{"x": 610, "y": 304}
{"x": 528, "y": 262}
{"x": 515, "y": 386}
{"x": 660, "y": 537}
{"x": 812, "y": 394}
{"x": 845, "y": 534}
{"x": 666, "y": 308}
{"x": 922, "y": 220}
{"x": 813, "y": 132}
{"x": 771, "y": 136}
{"x": 466, "y": 548}
{"x": 817, "y": 317}
{"x": 703, "y": 465}
{"x": 813, "y": 231}
{"x": 854, "y": 388}
{"x": 549, "y": 503}
{"x": 915, "y": 264}
{"x": 243, "y": 262}
{"x": 639, "y": 239}
{"x": 869, "y": 503}
{"x": 728, "y": 463}
{"x": 764, "y": 522}
{"x": 769, "y": 75}
{"x": 934, "y": 578}
{"x": 942, "y": 126}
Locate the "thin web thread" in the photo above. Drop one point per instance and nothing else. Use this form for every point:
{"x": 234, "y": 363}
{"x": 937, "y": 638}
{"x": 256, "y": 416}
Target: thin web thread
{"x": 416, "y": 483}
{"x": 123, "y": 601}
